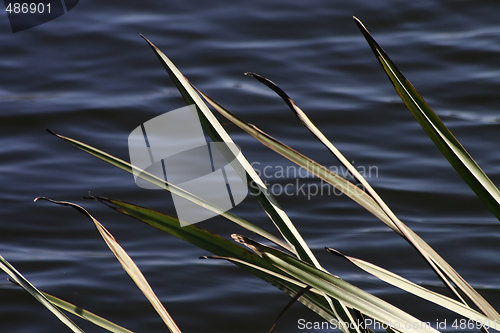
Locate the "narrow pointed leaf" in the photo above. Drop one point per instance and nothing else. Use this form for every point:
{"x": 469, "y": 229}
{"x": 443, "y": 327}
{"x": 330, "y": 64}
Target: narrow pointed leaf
{"x": 315, "y": 168}
{"x": 384, "y": 213}
{"x": 449, "y": 146}
{"x": 441, "y": 267}
{"x": 221, "y": 247}
{"x": 162, "y": 183}
{"x": 190, "y": 233}
{"x": 87, "y": 315}
{"x": 128, "y": 265}
{"x": 256, "y": 185}
{"x": 344, "y": 327}
{"x": 372, "y": 203}
{"x": 449, "y": 276}
{"x": 345, "y": 186}
{"x": 314, "y": 303}
{"x": 414, "y": 288}
{"x": 323, "y": 139}
{"x": 337, "y": 288}
{"x": 19, "y": 279}
{"x": 458, "y": 158}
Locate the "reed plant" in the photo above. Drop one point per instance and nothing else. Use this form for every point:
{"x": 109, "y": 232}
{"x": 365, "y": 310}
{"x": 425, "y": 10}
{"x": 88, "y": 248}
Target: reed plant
{"x": 289, "y": 264}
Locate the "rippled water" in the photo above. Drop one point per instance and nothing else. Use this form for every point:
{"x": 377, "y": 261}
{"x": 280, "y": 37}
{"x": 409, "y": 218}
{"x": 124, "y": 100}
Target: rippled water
{"x": 89, "y": 75}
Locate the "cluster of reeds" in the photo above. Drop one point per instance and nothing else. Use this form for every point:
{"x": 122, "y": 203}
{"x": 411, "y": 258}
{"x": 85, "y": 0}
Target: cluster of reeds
{"x": 289, "y": 264}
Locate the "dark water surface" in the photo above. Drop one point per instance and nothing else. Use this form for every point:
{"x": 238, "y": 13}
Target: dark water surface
{"x": 89, "y": 75}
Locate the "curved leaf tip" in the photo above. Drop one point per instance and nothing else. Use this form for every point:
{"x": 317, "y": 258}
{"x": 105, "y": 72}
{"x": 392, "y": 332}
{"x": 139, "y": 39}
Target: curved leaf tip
{"x": 333, "y": 251}
{"x": 66, "y": 203}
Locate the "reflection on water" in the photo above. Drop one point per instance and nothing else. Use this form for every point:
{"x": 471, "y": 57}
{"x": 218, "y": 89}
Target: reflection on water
{"x": 89, "y": 75}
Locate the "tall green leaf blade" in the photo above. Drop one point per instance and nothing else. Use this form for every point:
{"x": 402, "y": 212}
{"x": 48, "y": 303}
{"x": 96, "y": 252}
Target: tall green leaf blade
{"x": 191, "y": 233}
{"x": 39, "y": 296}
{"x": 452, "y": 150}
{"x": 447, "y": 274}
{"x": 449, "y": 146}
{"x": 414, "y": 288}
{"x": 314, "y": 303}
{"x": 327, "y": 143}
{"x": 337, "y": 288}
{"x": 162, "y": 183}
{"x": 256, "y": 185}
{"x": 315, "y": 168}
{"x": 87, "y": 315}
{"x": 298, "y": 283}
{"x": 128, "y": 265}
{"x": 345, "y": 186}
{"x": 387, "y": 215}
{"x": 221, "y": 247}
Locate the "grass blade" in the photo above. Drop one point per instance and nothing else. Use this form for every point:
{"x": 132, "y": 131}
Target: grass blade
{"x": 458, "y": 158}
{"x": 337, "y": 288}
{"x": 124, "y": 165}
{"x": 372, "y": 203}
{"x": 344, "y": 326}
{"x": 345, "y": 186}
{"x": 315, "y": 168}
{"x": 440, "y": 266}
{"x": 191, "y": 233}
{"x": 449, "y": 146}
{"x": 128, "y": 265}
{"x": 449, "y": 276}
{"x": 257, "y": 187}
{"x": 414, "y": 289}
{"x": 388, "y": 216}
{"x": 87, "y": 315}
{"x": 314, "y": 303}
{"x": 322, "y": 138}
{"x": 221, "y": 247}
{"x": 20, "y": 280}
